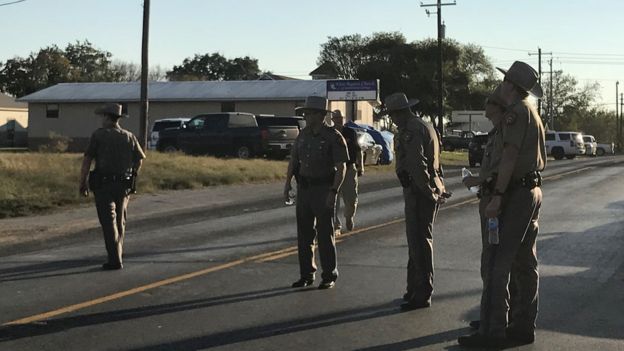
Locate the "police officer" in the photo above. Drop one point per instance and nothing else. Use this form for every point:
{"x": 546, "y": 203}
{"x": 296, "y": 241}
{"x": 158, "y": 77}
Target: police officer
{"x": 318, "y": 161}
{"x": 418, "y": 168}
{"x": 355, "y": 169}
{"x": 494, "y": 111}
{"x": 515, "y": 200}
{"x": 118, "y": 157}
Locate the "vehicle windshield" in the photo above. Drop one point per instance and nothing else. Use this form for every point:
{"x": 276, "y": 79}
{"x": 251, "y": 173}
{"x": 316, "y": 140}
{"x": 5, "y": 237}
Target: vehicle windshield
{"x": 158, "y": 126}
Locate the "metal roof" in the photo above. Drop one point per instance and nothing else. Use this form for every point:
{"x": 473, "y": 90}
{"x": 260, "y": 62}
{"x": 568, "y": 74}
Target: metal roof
{"x": 7, "y": 101}
{"x": 250, "y": 90}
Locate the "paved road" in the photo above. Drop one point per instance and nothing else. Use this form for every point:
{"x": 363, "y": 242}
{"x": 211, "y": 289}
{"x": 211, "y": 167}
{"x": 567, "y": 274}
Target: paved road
{"x": 220, "y": 279}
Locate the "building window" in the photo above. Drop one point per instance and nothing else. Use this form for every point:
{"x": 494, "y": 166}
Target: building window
{"x": 228, "y": 106}
{"x": 52, "y": 110}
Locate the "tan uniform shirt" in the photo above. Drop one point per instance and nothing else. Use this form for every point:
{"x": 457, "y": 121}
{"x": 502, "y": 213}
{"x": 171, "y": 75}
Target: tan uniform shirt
{"x": 114, "y": 150}
{"x": 418, "y": 152}
{"x": 492, "y": 154}
{"x": 523, "y": 128}
{"x": 317, "y": 154}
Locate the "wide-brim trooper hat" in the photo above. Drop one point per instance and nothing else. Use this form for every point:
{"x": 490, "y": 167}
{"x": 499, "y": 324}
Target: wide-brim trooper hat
{"x": 110, "y": 109}
{"x": 399, "y": 101}
{"x": 524, "y": 77}
{"x": 314, "y": 103}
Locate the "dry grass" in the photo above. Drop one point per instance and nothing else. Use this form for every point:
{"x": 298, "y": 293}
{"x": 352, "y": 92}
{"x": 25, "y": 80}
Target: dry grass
{"x": 33, "y": 183}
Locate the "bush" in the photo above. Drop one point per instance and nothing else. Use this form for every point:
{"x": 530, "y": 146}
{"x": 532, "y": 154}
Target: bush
{"x": 57, "y": 143}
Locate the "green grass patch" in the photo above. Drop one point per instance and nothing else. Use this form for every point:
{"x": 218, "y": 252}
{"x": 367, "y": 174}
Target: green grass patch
{"x": 35, "y": 183}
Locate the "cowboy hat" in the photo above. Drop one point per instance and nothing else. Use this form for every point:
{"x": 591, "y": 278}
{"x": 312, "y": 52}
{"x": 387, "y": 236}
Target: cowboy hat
{"x": 314, "y": 103}
{"x": 524, "y": 77}
{"x": 110, "y": 109}
{"x": 399, "y": 101}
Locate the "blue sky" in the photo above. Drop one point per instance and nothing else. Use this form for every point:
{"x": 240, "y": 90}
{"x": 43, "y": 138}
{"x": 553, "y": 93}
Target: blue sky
{"x": 285, "y": 36}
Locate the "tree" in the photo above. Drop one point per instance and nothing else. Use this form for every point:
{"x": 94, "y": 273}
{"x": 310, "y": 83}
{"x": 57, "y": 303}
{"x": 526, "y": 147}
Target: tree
{"x": 131, "y": 72}
{"x": 345, "y": 53}
{"x": 215, "y": 67}
{"x": 88, "y": 63}
{"x": 79, "y": 62}
{"x": 569, "y": 101}
{"x": 412, "y": 68}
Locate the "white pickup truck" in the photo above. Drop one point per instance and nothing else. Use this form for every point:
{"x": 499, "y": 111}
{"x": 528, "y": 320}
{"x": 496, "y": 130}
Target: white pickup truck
{"x": 564, "y": 144}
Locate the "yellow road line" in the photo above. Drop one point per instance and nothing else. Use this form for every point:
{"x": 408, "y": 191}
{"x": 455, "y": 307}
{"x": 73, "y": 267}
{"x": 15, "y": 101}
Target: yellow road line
{"x": 265, "y": 257}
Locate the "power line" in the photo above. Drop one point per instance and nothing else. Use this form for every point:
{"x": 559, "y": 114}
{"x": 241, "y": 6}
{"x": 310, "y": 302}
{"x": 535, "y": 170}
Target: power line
{"x": 12, "y": 2}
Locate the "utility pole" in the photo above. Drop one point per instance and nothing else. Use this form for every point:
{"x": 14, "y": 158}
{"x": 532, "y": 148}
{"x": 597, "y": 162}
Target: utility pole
{"x": 441, "y": 31}
{"x": 621, "y": 108}
{"x": 144, "y": 75}
{"x": 617, "y": 116}
{"x": 551, "y": 113}
{"x": 539, "y": 76}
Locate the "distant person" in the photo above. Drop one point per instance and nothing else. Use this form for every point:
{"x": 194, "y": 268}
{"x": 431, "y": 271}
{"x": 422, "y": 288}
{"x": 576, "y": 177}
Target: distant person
{"x": 515, "y": 202}
{"x": 355, "y": 168}
{"x": 418, "y": 169}
{"x": 318, "y": 160}
{"x": 118, "y": 157}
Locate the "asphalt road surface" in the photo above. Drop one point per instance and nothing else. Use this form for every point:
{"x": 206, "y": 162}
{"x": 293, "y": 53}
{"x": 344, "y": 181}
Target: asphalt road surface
{"x": 221, "y": 279}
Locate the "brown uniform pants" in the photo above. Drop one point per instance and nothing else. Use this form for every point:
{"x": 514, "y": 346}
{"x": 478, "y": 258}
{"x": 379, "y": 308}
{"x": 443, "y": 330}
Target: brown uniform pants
{"x": 420, "y": 213}
{"x": 315, "y": 221}
{"x": 111, "y": 202}
{"x": 349, "y": 195}
{"x": 514, "y": 258}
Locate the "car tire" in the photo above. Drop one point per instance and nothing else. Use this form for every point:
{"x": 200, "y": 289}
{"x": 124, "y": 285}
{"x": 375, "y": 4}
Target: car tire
{"x": 570, "y": 157}
{"x": 557, "y": 153}
{"x": 600, "y": 152}
{"x": 169, "y": 148}
{"x": 243, "y": 152}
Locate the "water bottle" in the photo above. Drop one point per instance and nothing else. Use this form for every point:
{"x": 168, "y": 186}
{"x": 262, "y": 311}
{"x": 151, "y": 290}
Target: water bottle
{"x": 466, "y": 173}
{"x": 493, "y": 231}
{"x": 291, "y": 197}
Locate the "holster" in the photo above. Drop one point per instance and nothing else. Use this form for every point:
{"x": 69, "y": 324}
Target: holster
{"x": 95, "y": 181}
{"x": 404, "y": 178}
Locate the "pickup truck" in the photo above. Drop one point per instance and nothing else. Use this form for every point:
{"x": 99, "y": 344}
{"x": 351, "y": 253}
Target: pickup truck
{"x": 278, "y": 134}
{"x": 220, "y": 134}
{"x": 456, "y": 140}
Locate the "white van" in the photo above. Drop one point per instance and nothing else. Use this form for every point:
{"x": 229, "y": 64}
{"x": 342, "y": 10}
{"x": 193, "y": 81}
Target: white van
{"x": 564, "y": 144}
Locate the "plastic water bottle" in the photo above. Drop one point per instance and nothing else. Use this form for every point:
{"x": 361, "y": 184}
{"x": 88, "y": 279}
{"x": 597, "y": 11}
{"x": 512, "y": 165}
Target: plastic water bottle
{"x": 466, "y": 173}
{"x": 291, "y": 197}
{"x": 493, "y": 231}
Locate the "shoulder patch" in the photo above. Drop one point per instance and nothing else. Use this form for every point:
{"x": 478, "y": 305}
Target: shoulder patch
{"x": 408, "y": 136}
{"x": 510, "y": 118}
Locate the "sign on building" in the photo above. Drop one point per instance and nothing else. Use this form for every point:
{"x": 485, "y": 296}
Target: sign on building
{"x": 350, "y": 90}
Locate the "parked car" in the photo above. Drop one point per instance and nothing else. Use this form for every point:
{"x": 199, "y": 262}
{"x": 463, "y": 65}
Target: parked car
{"x": 591, "y": 147}
{"x": 227, "y": 133}
{"x": 382, "y": 138}
{"x": 162, "y": 124}
{"x": 371, "y": 151}
{"x": 278, "y": 134}
{"x": 603, "y": 149}
{"x": 457, "y": 140}
{"x": 476, "y": 148}
{"x": 564, "y": 144}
